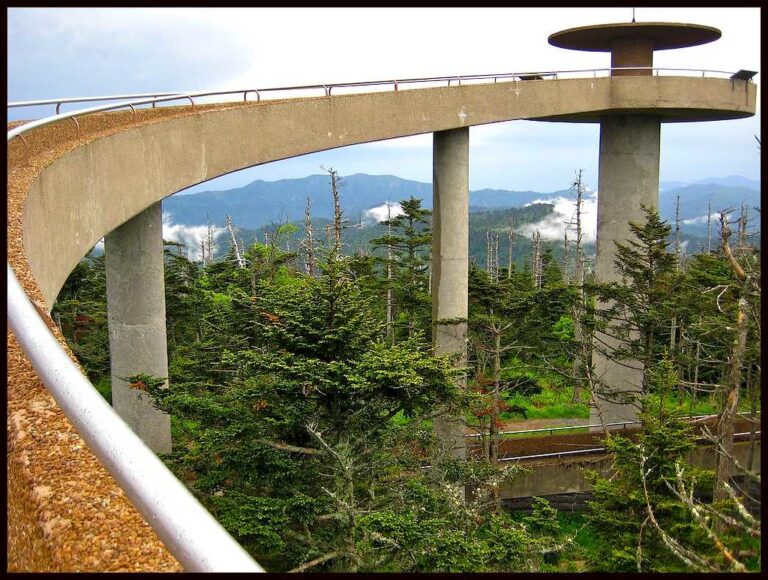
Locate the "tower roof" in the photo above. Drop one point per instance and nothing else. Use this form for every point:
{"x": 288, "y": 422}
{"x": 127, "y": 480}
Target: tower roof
{"x": 665, "y": 35}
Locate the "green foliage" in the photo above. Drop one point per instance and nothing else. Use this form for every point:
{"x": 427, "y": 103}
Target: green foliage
{"x": 638, "y": 310}
{"x": 306, "y": 429}
{"x": 619, "y": 512}
{"x": 563, "y": 328}
{"x": 406, "y": 257}
{"x": 543, "y": 518}
{"x": 82, "y": 310}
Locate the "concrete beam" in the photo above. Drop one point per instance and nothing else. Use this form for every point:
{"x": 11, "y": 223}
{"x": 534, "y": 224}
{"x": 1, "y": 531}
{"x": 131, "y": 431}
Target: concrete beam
{"x": 629, "y": 177}
{"x": 450, "y": 264}
{"x": 136, "y": 319}
{"x": 90, "y": 190}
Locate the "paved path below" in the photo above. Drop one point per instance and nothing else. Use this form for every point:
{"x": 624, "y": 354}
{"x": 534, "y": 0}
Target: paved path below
{"x": 525, "y": 424}
{"x": 566, "y": 441}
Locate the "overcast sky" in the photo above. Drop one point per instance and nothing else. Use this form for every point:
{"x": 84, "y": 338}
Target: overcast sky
{"x": 60, "y": 52}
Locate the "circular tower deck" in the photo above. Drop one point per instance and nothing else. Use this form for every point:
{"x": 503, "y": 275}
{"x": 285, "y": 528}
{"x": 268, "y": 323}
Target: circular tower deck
{"x": 632, "y": 44}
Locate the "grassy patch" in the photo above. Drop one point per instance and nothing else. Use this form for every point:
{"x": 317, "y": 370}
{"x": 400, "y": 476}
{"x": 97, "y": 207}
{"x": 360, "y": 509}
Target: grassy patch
{"x": 549, "y": 404}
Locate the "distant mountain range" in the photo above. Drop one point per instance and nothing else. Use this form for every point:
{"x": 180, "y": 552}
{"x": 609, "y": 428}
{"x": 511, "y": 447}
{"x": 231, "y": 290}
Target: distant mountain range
{"x": 730, "y": 181}
{"x": 264, "y": 202}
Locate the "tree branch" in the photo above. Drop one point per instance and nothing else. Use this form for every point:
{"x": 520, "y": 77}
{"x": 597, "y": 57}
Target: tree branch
{"x": 290, "y": 448}
{"x": 313, "y": 563}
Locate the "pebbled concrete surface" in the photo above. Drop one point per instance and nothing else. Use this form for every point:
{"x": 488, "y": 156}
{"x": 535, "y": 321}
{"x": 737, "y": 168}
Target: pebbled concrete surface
{"x": 65, "y": 511}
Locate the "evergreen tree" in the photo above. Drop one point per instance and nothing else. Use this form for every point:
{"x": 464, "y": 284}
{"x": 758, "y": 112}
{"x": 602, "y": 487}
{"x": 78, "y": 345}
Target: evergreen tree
{"x": 81, "y": 309}
{"x": 410, "y": 241}
{"x": 638, "y": 308}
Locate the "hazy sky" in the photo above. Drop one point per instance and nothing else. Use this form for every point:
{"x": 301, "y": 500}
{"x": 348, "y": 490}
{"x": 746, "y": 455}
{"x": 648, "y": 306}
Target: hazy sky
{"x": 59, "y": 52}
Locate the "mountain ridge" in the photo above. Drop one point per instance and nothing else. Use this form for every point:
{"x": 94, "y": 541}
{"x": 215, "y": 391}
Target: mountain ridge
{"x": 263, "y": 202}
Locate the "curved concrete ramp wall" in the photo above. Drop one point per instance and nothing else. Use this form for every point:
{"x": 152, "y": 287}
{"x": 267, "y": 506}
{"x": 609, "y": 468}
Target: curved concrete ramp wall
{"x": 71, "y": 188}
{"x": 95, "y": 187}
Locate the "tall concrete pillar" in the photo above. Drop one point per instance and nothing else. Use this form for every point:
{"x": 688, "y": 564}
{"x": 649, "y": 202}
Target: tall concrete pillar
{"x": 629, "y": 177}
{"x": 136, "y": 318}
{"x": 450, "y": 264}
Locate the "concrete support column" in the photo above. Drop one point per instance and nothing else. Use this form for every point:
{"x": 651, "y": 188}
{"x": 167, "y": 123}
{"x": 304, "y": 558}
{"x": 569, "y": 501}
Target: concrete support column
{"x": 629, "y": 177}
{"x": 450, "y": 264}
{"x": 136, "y": 317}
{"x": 631, "y": 52}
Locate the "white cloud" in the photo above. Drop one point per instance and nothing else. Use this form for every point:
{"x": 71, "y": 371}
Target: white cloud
{"x": 702, "y": 219}
{"x": 381, "y": 213}
{"x": 552, "y": 227}
{"x": 190, "y": 236}
{"x": 80, "y": 51}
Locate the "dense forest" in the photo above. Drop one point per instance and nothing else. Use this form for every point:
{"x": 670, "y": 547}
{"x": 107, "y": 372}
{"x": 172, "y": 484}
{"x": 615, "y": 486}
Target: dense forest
{"x": 304, "y": 391}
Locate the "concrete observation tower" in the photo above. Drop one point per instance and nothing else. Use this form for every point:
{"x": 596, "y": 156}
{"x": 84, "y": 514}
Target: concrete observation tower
{"x": 629, "y": 161}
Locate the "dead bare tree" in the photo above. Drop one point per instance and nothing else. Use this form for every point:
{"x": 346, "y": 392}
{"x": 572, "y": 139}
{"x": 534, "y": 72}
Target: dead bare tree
{"x": 210, "y": 251}
{"x": 235, "y": 247}
{"x": 308, "y": 243}
{"x": 492, "y": 254}
{"x": 702, "y": 516}
{"x": 727, "y": 417}
{"x": 578, "y": 309}
{"x": 511, "y": 244}
{"x": 337, "y": 211}
{"x": 536, "y": 260}
{"x": 674, "y": 340}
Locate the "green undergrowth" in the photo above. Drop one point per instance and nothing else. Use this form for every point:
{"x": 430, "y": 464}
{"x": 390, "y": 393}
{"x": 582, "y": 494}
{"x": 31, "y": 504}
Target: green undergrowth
{"x": 549, "y": 404}
{"x": 578, "y": 537}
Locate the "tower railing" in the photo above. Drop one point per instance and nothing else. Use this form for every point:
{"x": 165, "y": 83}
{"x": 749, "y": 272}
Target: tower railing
{"x": 394, "y": 84}
{"x": 189, "y": 532}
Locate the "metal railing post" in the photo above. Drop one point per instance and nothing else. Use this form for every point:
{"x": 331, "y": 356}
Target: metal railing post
{"x": 189, "y": 532}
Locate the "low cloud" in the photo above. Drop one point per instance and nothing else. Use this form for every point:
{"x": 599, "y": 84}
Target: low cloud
{"x": 702, "y": 219}
{"x": 552, "y": 227}
{"x": 190, "y": 236}
{"x": 381, "y": 213}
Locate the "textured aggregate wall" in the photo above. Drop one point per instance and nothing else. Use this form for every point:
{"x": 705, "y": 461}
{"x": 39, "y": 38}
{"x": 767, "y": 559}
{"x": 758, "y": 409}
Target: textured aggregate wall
{"x": 65, "y": 511}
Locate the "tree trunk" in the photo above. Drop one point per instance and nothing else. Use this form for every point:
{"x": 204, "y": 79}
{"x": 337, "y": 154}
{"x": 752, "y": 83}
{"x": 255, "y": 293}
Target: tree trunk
{"x": 494, "y": 427}
{"x": 754, "y": 394}
{"x": 390, "y": 321}
{"x": 726, "y": 421}
{"x": 578, "y": 333}
{"x": 309, "y": 242}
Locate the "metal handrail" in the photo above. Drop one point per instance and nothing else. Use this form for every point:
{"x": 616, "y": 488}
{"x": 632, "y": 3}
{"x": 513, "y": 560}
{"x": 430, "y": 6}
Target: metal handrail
{"x": 327, "y": 88}
{"x": 190, "y": 533}
{"x": 550, "y": 429}
{"x": 582, "y": 451}
{"x": 573, "y": 427}
{"x": 59, "y": 102}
